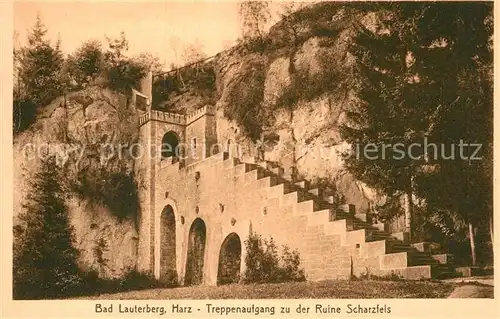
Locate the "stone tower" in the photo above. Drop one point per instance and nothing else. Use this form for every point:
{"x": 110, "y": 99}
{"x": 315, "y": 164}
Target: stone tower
{"x": 166, "y": 139}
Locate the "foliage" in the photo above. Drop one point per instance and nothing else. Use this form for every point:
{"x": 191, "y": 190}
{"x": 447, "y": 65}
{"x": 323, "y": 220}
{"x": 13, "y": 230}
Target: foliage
{"x": 329, "y": 186}
{"x": 100, "y": 248}
{"x": 23, "y": 113}
{"x": 131, "y": 280}
{"x": 264, "y": 265}
{"x": 367, "y": 275}
{"x": 38, "y": 69}
{"x": 193, "y": 52}
{"x": 121, "y": 72}
{"x": 245, "y": 101}
{"x": 116, "y": 190}
{"x": 254, "y": 16}
{"x": 40, "y": 64}
{"x": 459, "y": 73}
{"x": 425, "y": 78}
{"x": 200, "y": 78}
{"x": 325, "y": 289}
{"x": 45, "y": 258}
{"x": 170, "y": 278}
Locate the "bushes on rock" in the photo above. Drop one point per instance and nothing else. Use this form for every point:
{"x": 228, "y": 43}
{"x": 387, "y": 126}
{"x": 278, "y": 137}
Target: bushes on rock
{"x": 244, "y": 104}
{"x": 198, "y": 78}
{"x": 117, "y": 190}
{"x": 23, "y": 114}
{"x": 265, "y": 265}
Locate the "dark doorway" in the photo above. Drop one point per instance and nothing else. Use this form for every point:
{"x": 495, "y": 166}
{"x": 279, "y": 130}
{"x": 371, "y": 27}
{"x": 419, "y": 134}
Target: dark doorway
{"x": 170, "y": 146}
{"x": 167, "y": 245}
{"x": 196, "y": 253}
{"x": 229, "y": 260}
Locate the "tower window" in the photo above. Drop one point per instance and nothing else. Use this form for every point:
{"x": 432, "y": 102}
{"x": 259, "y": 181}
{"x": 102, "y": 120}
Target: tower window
{"x": 193, "y": 145}
{"x": 169, "y": 147}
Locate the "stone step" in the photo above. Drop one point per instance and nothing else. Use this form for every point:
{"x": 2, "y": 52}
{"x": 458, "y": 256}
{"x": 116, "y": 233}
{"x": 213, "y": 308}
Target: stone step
{"x": 444, "y": 258}
{"x": 265, "y": 165}
{"x": 379, "y": 247}
{"x": 321, "y": 218}
{"x": 364, "y": 217}
{"x": 254, "y": 175}
{"x": 276, "y": 191}
{"x": 268, "y": 181}
{"x": 278, "y": 171}
{"x": 408, "y": 259}
{"x": 400, "y": 247}
{"x": 241, "y": 168}
{"x": 329, "y": 199}
{"x": 417, "y": 258}
{"x": 427, "y": 247}
{"x": 394, "y": 261}
{"x": 348, "y": 208}
{"x": 415, "y": 272}
{"x": 337, "y": 227}
{"x": 402, "y": 236}
{"x": 294, "y": 197}
{"x": 302, "y": 184}
{"x": 473, "y": 271}
{"x": 356, "y": 237}
{"x": 307, "y": 207}
{"x": 231, "y": 162}
{"x": 315, "y": 191}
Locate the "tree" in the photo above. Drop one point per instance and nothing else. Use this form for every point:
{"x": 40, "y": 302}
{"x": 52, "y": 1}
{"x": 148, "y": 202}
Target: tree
{"x": 193, "y": 52}
{"x": 38, "y": 77}
{"x": 149, "y": 62}
{"x": 290, "y": 19}
{"x": 44, "y": 255}
{"x": 86, "y": 63}
{"x": 254, "y": 16}
{"x": 122, "y": 73}
{"x": 384, "y": 114}
{"x": 40, "y": 64}
{"x": 426, "y": 80}
{"x": 462, "y": 87}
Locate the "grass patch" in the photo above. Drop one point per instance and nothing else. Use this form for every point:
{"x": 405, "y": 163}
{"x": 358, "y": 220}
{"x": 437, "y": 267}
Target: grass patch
{"x": 340, "y": 289}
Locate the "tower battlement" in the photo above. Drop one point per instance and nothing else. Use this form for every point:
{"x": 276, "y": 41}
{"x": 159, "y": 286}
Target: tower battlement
{"x": 206, "y": 110}
{"x": 176, "y": 118}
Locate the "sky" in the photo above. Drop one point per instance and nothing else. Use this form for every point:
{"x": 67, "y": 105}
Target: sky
{"x": 153, "y": 27}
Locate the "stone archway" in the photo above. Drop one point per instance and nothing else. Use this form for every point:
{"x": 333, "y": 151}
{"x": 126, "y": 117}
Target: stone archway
{"x": 196, "y": 253}
{"x": 229, "y": 260}
{"x": 167, "y": 244}
{"x": 170, "y": 146}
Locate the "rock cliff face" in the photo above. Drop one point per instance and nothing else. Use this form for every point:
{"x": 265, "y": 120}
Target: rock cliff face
{"x": 76, "y": 129}
{"x": 314, "y": 69}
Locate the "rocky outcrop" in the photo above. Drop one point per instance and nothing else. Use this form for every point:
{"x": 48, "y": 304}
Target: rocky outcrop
{"x": 80, "y": 130}
{"x": 316, "y": 68}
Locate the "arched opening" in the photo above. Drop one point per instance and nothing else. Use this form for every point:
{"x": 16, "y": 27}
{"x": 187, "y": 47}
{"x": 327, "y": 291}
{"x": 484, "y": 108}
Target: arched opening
{"x": 196, "y": 253}
{"x": 169, "y": 146}
{"x": 167, "y": 245}
{"x": 229, "y": 260}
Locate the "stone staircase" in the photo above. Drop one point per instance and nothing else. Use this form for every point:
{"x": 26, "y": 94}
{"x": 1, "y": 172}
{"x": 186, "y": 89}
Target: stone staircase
{"x": 355, "y": 230}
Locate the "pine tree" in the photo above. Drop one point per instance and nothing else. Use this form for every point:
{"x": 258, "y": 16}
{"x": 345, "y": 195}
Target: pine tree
{"x": 387, "y": 113}
{"x": 462, "y": 88}
{"x": 428, "y": 76}
{"x": 40, "y": 66}
{"x": 45, "y": 258}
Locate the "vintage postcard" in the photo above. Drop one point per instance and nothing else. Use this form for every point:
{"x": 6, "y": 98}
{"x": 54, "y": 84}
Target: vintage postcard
{"x": 249, "y": 158}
